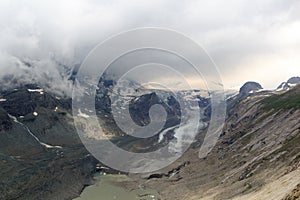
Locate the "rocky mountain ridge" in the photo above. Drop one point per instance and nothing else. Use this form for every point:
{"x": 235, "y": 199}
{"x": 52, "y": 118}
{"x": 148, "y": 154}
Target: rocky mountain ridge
{"x": 289, "y": 83}
{"x": 43, "y": 158}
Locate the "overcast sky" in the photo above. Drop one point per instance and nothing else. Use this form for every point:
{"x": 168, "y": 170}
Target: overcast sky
{"x": 255, "y": 40}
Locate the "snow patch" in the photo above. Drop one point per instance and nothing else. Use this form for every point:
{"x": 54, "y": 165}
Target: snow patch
{"x": 292, "y": 84}
{"x": 41, "y": 91}
{"x": 257, "y": 91}
{"x": 81, "y": 114}
{"x": 279, "y": 89}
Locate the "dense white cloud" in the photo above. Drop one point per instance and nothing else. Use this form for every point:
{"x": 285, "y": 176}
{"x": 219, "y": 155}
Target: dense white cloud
{"x": 249, "y": 40}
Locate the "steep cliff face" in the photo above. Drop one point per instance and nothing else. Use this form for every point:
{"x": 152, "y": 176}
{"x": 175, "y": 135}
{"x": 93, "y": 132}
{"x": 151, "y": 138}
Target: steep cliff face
{"x": 257, "y": 156}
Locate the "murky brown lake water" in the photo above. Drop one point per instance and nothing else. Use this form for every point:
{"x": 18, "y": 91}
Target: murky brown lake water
{"x": 104, "y": 189}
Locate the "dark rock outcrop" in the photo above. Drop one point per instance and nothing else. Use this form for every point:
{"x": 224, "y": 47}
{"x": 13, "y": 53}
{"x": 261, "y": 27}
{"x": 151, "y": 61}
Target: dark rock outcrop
{"x": 32, "y": 125}
{"x": 248, "y": 88}
{"x": 289, "y": 84}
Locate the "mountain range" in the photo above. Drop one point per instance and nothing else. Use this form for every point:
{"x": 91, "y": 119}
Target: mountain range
{"x": 256, "y": 157}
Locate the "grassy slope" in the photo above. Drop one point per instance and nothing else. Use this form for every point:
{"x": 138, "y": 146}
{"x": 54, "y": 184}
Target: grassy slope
{"x": 284, "y": 101}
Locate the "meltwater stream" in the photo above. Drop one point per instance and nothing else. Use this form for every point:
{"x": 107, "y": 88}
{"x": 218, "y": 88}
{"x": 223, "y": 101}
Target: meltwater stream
{"x": 29, "y": 131}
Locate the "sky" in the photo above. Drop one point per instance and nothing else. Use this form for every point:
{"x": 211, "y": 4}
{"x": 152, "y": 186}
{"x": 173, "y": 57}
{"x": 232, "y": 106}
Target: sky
{"x": 248, "y": 40}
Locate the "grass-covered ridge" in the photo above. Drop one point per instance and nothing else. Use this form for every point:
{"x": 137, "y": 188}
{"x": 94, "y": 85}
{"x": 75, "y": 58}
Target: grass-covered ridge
{"x": 287, "y": 100}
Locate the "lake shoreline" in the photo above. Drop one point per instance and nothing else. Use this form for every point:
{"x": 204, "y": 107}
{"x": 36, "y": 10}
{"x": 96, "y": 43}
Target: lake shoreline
{"x": 113, "y": 187}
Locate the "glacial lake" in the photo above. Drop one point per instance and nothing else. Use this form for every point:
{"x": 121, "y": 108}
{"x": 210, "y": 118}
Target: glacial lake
{"x": 105, "y": 189}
